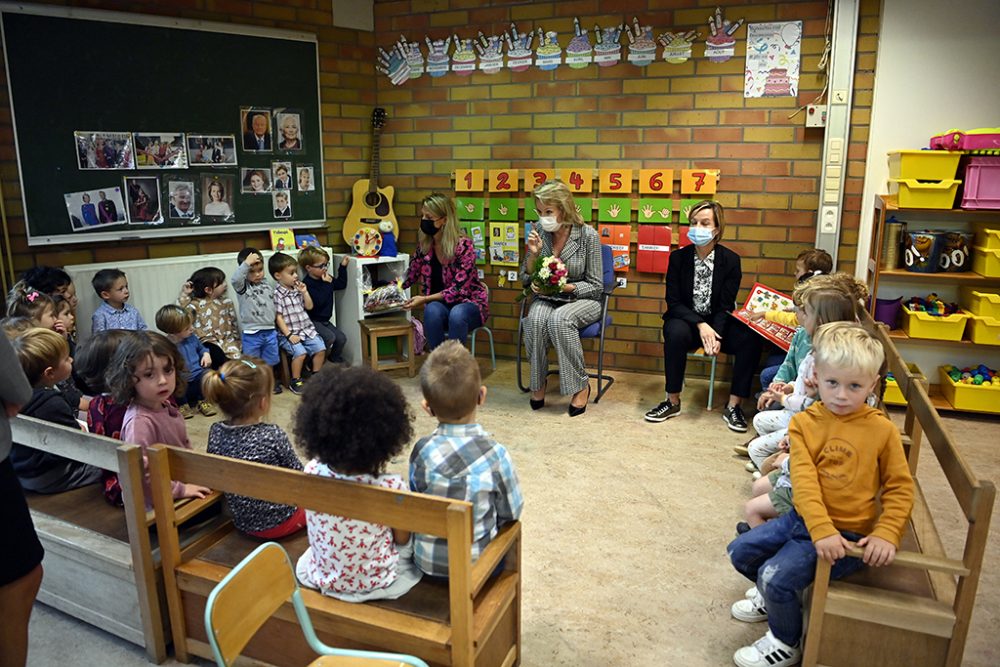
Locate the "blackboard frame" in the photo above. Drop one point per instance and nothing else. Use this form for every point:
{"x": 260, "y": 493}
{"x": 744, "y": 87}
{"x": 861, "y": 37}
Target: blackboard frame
{"x": 42, "y": 233}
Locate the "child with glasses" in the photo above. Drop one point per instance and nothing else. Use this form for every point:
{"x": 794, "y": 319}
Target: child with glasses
{"x": 321, "y": 285}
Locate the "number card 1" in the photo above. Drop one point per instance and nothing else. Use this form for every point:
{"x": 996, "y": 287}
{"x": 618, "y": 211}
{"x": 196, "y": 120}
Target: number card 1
{"x": 699, "y": 181}
{"x": 535, "y": 177}
{"x": 503, "y": 180}
{"x": 468, "y": 180}
{"x": 656, "y": 181}
{"x": 578, "y": 180}
{"x": 616, "y": 181}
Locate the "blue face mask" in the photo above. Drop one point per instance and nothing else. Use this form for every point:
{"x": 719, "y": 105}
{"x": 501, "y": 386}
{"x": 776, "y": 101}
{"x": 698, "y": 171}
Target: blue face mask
{"x": 700, "y": 235}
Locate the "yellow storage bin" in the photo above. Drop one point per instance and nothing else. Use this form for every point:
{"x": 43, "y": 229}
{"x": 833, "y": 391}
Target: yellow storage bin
{"x": 893, "y": 394}
{"x": 914, "y": 194}
{"x": 984, "y": 330}
{"x": 986, "y": 262}
{"x": 986, "y": 304}
{"x": 924, "y": 165}
{"x": 987, "y": 238}
{"x": 918, "y": 324}
{"x": 970, "y": 396}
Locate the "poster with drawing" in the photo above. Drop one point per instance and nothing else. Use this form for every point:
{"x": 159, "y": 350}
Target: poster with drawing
{"x": 503, "y": 244}
{"x": 774, "y": 54}
{"x": 760, "y": 300}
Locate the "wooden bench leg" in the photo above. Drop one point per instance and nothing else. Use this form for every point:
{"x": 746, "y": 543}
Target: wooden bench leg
{"x": 373, "y": 350}
{"x": 810, "y": 652}
{"x": 408, "y": 339}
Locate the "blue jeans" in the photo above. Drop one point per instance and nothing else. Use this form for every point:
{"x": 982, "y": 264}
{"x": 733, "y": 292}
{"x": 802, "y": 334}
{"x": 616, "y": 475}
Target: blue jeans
{"x": 262, "y": 344}
{"x": 456, "y": 321}
{"x": 780, "y": 558}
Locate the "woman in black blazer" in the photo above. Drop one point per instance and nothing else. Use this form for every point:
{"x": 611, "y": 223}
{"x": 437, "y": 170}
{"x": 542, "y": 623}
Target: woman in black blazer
{"x": 702, "y": 282}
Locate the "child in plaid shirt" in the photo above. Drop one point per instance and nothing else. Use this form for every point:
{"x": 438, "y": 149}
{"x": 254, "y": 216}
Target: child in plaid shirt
{"x": 460, "y": 460}
{"x": 298, "y": 334}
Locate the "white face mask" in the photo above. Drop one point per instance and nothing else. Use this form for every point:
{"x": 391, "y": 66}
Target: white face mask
{"x": 549, "y": 223}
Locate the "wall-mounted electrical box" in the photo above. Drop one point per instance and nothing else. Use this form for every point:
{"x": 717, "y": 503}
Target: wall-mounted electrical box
{"x": 815, "y": 115}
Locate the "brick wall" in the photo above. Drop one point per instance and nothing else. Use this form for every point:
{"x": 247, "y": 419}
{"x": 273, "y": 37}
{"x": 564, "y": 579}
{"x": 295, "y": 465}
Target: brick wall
{"x": 673, "y": 116}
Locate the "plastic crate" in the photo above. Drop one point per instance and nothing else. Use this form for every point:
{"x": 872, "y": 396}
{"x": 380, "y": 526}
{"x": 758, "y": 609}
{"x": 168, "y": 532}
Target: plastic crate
{"x": 918, "y": 324}
{"x": 893, "y": 394}
{"x": 986, "y": 304}
{"x": 914, "y": 194}
{"x": 986, "y": 262}
{"x": 981, "y": 139}
{"x": 970, "y": 396}
{"x": 987, "y": 238}
{"x": 984, "y": 330}
{"x": 923, "y": 165}
{"x": 982, "y": 183}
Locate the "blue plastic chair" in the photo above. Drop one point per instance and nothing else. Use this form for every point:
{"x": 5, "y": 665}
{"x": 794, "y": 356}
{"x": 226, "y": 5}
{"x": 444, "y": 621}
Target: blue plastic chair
{"x": 595, "y": 330}
{"x": 250, "y": 594}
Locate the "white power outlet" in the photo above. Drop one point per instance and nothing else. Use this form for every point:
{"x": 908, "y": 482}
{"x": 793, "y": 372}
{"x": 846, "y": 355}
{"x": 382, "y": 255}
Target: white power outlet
{"x": 828, "y": 220}
{"x": 512, "y": 276}
{"x": 480, "y": 274}
{"x": 815, "y": 115}
{"x": 621, "y": 283}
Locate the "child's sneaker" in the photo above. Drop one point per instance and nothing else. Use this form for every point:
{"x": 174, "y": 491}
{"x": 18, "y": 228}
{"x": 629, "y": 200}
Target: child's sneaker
{"x": 185, "y": 411}
{"x": 768, "y": 651}
{"x": 750, "y": 466}
{"x": 296, "y": 384}
{"x": 205, "y": 408}
{"x": 750, "y": 609}
{"x": 751, "y": 593}
{"x": 277, "y": 388}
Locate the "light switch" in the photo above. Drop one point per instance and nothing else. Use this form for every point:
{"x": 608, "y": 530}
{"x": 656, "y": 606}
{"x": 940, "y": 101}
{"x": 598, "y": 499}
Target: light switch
{"x": 836, "y": 144}
{"x": 834, "y": 158}
{"x": 833, "y": 172}
{"x": 829, "y": 196}
{"x": 832, "y": 183}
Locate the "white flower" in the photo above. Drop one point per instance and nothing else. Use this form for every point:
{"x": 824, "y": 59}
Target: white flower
{"x": 544, "y": 272}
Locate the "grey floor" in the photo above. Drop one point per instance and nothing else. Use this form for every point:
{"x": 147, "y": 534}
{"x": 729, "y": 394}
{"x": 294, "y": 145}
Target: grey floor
{"x": 625, "y": 528}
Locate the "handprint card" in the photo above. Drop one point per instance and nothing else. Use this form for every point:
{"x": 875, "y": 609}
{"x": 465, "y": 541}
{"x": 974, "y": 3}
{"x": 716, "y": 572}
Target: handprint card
{"x": 470, "y": 208}
{"x": 614, "y": 209}
{"x": 530, "y": 212}
{"x": 686, "y": 206}
{"x": 653, "y": 211}
{"x": 503, "y": 208}
{"x": 760, "y": 300}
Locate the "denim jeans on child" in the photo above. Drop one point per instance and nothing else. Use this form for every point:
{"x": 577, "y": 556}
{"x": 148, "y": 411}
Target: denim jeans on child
{"x": 455, "y": 320}
{"x": 779, "y": 556}
{"x": 261, "y": 344}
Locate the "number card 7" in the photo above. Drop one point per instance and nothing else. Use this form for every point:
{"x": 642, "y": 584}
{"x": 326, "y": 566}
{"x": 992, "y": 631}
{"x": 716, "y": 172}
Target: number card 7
{"x": 699, "y": 181}
{"x": 578, "y": 180}
{"x": 503, "y": 180}
{"x": 617, "y": 181}
{"x": 468, "y": 180}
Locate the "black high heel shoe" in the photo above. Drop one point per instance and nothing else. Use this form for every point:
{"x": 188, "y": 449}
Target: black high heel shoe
{"x": 575, "y": 411}
{"x": 536, "y": 405}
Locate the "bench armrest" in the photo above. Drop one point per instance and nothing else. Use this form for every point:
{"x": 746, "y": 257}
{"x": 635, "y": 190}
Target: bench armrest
{"x": 508, "y": 538}
{"x": 921, "y": 561}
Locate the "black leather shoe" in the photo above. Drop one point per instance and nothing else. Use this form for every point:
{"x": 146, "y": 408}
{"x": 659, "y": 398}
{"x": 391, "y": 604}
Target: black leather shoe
{"x": 536, "y": 405}
{"x": 575, "y": 411}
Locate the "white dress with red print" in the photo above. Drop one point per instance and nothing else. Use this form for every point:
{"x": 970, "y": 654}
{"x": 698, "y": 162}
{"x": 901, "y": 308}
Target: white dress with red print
{"x": 355, "y": 560}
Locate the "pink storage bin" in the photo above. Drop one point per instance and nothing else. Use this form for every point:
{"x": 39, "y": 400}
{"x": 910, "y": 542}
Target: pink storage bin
{"x": 982, "y": 183}
{"x": 982, "y": 139}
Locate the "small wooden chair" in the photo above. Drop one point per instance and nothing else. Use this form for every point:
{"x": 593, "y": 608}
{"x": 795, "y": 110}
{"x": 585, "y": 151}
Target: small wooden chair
{"x": 253, "y": 591}
{"x": 373, "y": 329}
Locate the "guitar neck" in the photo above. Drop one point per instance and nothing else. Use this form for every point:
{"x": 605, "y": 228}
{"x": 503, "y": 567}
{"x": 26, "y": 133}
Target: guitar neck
{"x": 373, "y": 172}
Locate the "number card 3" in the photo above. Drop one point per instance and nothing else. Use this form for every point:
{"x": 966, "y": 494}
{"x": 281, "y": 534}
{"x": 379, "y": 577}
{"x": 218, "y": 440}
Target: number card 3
{"x": 503, "y": 180}
{"x": 535, "y": 177}
{"x": 616, "y": 181}
{"x": 578, "y": 180}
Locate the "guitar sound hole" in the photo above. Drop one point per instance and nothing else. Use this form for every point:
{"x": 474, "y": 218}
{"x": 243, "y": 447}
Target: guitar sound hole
{"x": 372, "y": 199}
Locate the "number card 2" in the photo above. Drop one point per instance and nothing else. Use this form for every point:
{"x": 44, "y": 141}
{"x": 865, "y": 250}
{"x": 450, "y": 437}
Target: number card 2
{"x": 468, "y": 180}
{"x": 503, "y": 180}
{"x": 535, "y": 177}
{"x": 656, "y": 181}
{"x": 578, "y": 180}
{"x": 699, "y": 181}
{"x": 616, "y": 181}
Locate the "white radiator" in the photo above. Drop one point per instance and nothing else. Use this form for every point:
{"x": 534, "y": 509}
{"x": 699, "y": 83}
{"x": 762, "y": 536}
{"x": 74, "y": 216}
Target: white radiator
{"x": 153, "y": 283}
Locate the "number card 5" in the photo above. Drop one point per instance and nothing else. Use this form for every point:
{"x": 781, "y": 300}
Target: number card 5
{"x": 535, "y": 177}
{"x": 618, "y": 181}
{"x": 503, "y": 180}
{"x": 656, "y": 181}
{"x": 468, "y": 180}
{"x": 578, "y": 180}
{"x": 699, "y": 181}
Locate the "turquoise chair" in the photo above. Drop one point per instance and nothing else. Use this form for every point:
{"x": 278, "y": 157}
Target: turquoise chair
{"x": 489, "y": 335}
{"x": 700, "y": 354}
{"x": 250, "y": 594}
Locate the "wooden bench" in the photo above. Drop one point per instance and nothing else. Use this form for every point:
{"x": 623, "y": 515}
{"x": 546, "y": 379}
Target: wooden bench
{"x": 917, "y": 611}
{"x": 472, "y": 618}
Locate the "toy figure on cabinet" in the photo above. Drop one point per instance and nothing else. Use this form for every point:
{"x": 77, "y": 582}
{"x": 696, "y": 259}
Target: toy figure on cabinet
{"x": 388, "y": 239}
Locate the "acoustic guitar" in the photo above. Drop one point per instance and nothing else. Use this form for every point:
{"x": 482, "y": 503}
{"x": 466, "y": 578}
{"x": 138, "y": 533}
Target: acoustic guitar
{"x": 371, "y": 204}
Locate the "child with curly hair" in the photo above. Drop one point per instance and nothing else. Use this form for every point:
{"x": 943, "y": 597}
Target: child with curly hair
{"x": 351, "y": 423}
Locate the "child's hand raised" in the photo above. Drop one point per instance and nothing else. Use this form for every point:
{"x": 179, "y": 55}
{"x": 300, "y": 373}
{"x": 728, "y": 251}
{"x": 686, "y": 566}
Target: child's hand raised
{"x": 832, "y": 548}
{"x": 188, "y": 288}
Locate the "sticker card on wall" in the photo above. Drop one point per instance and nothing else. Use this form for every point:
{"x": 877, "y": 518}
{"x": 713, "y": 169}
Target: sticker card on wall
{"x": 614, "y": 209}
{"x": 535, "y": 177}
{"x": 476, "y": 231}
{"x": 503, "y": 180}
{"x": 578, "y": 180}
{"x": 702, "y": 182}
{"x": 530, "y": 213}
{"x": 503, "y": 208}
{"x": 653, "y": 252}
{"x": 618, "y": 238}
{"x": 656, "y": 181}
{"x": 470, "y": 208}
{"x": 616, "y": 181}
{"x": 503, "y": 244}
{"x": 468, "y": 180}
{"x": 585, "y": 207}
{"x": 653, "y": 210}
{"x": 686, "y": 206}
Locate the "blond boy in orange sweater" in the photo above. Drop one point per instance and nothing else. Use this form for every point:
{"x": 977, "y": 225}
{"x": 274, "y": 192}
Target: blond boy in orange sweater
{"x": 843, "y": 453}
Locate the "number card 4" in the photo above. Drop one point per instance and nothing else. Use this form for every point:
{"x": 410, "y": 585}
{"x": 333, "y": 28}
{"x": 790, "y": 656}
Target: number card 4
{"x": 656, "y": 181}
{"x": 535, "y": 177}
{"x": 617, "y": 181}
{"x": 468, "y": 180}
{"x": 578, "y": 180}
{"x": 503, "y": 180}
{"x": 699, "y": 181}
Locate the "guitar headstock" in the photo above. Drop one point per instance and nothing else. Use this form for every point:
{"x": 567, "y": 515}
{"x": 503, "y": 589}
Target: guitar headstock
{"x": 378, "y": 118}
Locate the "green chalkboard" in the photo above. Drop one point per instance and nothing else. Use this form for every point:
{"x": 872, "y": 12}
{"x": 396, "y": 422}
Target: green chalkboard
{"x": 100, "y": 72}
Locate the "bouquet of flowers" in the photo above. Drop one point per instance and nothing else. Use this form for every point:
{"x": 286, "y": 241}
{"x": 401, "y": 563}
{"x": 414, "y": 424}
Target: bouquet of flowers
{"x": 548, "y": 275}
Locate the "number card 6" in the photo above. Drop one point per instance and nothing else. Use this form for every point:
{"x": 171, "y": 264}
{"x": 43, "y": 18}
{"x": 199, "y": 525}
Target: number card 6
{"x": 578, "y": 180}
{"x": 618, "y": 181}
{"x": 468, "y": 180}
{"x": 699, "y": 181}
{"x": 656, "y": 181}
{"x": 503, "y": 180}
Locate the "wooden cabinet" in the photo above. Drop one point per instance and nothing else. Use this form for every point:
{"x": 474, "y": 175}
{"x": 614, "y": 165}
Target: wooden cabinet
{"x": 350, "y": 301}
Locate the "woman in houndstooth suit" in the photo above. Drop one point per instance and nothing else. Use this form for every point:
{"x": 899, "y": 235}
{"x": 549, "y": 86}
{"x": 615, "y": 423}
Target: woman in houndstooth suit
{"x": 557, "y": 319}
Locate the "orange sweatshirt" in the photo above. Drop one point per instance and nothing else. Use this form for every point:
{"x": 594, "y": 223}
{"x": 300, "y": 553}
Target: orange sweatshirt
{"x": 789, "y": 319}
{"x": 838, "y": 466}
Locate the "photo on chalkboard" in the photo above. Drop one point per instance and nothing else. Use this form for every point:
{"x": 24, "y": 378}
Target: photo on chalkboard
{"x": 306, "y": 182}
{"x": 282, "y": 175}
{"x": 282, "y": 205}
{"x": 256, "y": 124}
{"x": 288, "y": 130}
{"x": 255, "y": 181}
{"x": 91, "y": 209}
{"x": 160, "y": 150}
{"x": 216, "y": 150}
{"x": 217, "y": 196}
{"x": 182, "y": 200}
{"x": 143, "y": 194}
{"x": 104, "y": 150}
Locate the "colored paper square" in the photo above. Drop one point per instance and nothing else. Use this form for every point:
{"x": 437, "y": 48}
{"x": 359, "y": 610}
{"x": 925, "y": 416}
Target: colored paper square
{"x": 618, "y": 237}
{"x": 530, "y": 213}
{"x": 503, "y": 180}
{"x": 476, "y": 231}
{"x": 578, "y": 180}
{"x": 652, "y": 253}
{"x": 616, "y": 181}
{"x": 614, "y": 209}
{"x": 656, "y": 181}
{"x": 653, "y": 211}
{"x": 468, "y": 180}
{"x": 503, "y": 208}
{"x": 701, "y": 182}
{"x": 535, "y": 177}
{"x": 470, "y": 208}
{"x": 685, "y": 210}
{"x": 585, "y": 207}
{"x": 504, "y": 244}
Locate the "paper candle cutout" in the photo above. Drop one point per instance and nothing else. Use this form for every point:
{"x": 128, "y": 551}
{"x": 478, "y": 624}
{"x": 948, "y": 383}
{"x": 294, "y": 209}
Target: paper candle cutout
{"x": 578, "y": 50}
{"x": 608, "y": 49}
{"x": 503, "y": 208}
{"x": 677, "y": 47}
{"x": 519, "y": 49}
{"x": 655, "y": 210}
{"x": 720, "y": 45}
{"x": 490, "y": 53}
{"x": 438, "y": 60}
{"x": 463, "y": 61}
{"x": 614, "y": 209}
{"x": 414, "y": 57}
{"x": 618, "y": 237}
{"x": 642, "y": 48}
{"x": 470, "y": 208}
{"x": 393, "y": 65}
{"x": 548, "y": 55}
{"x": 653, "y": 253}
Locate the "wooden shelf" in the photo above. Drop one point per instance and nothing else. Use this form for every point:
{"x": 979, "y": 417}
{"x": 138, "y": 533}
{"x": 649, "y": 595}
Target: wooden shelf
{"x": 965, "y": 278}
{"x": 891, "y": 203}
{"x": 899, "y": 334}
{"x": 941, "y": 403}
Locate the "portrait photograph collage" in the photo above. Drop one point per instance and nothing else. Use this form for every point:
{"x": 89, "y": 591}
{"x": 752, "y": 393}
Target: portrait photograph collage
{"x": 269, "y": 138}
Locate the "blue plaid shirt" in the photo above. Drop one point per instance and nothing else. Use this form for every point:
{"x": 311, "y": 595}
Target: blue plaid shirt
{"x": 107, "y": 317}
{"x": 461, "y": 461}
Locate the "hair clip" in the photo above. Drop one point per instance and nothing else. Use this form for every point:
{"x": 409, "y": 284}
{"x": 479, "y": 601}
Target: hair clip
{"x": 31, "y": 296}
{"x": 222, "y": 376}
{"x": 249, "y": 363}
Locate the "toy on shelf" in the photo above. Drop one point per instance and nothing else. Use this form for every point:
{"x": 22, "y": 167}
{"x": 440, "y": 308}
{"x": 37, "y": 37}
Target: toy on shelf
{"x": 388, "y": 239}
{"x": 979, "y": 376}
{"x": 367, "y": 242}
{"x": 932, "y": 305}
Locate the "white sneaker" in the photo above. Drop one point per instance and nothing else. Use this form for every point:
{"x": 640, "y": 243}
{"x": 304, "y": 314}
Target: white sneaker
{"x": 750, "y": 466}
{"x": 756, "y": 475}
{"x": 751, "y": 593}
{"x": 767, "y": 652}
{"x": 750, "y": 609}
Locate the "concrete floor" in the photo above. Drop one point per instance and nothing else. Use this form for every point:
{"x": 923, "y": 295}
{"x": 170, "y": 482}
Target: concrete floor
{"x": 625, "y": 529}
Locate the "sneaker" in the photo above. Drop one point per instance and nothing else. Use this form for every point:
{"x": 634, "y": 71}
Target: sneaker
{"x": 277, "y": 388}
{"x": 742, "y": 450}
{"x": 185, "y": 411}
{"x": 768, "y": 651}
{"x": 750, "y": 466}
{"x": 663, "y": 412}
{"x": 750, "y": 610}
{"x": 733, "y": 416}
{"x": 743, "y": 527}
{"x": 296, "y": 384}
{"x": 756, "y": 475}
{"x": 205, "y": 408}
{"x": 751, "y": 592}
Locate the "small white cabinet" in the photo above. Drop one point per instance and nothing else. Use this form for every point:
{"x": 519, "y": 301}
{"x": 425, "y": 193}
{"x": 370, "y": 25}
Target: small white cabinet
{"x": 350, "y": 301}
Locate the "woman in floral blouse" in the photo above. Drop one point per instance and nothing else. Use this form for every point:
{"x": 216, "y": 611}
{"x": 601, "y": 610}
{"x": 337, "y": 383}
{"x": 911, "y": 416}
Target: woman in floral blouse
{"x": 454, "y": 299}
